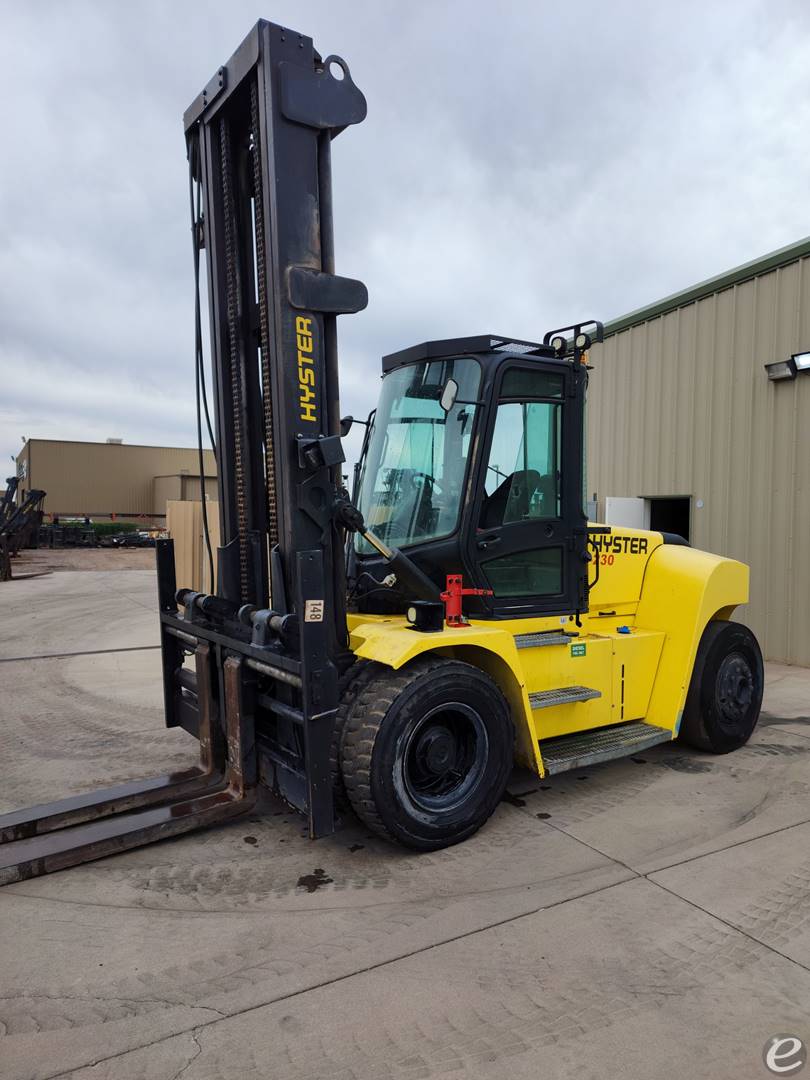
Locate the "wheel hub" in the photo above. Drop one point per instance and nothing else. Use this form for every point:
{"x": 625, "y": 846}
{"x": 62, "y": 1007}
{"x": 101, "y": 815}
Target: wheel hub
{"x": 734, "y": 690}
{"x": 436, "y": 749}
{"x": 444, "y": 756}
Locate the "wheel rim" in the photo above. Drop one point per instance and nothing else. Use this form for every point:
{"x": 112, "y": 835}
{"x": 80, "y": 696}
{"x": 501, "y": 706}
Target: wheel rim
{"x": 444, "y": 757}
{"x": 734, "y": 690}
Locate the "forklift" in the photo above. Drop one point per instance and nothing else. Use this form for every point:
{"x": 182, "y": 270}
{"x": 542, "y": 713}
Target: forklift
{"x": 19, "y": 524}
{"x": 399, "y": 650}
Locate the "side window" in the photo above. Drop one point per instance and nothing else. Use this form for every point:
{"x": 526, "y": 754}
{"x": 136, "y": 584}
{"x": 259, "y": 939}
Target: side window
{"x": 527, "y": 573}
{"x": 523, "y": 472}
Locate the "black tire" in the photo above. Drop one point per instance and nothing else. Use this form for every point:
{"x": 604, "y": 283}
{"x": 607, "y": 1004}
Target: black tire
{"x": 725, "y": 693}
{"x": 349, "y": 685}
{"x": 426, "y": 752}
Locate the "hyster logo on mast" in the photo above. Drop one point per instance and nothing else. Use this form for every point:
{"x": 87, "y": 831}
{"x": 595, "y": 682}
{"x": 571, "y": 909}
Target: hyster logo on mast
{"x": 306, "y": 368}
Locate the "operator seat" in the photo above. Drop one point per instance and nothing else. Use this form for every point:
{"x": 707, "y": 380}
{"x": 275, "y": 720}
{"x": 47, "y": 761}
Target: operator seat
{"x": 513, "y": 494}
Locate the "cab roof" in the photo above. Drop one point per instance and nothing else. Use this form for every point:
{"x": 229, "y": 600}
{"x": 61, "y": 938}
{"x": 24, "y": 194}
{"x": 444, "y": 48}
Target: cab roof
{"x": 479, "y": 343}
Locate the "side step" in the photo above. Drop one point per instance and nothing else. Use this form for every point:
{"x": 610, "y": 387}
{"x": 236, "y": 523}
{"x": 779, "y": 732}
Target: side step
{"x": 545, "y": 699}
{"x": 548, "y": 637}
{"x": 604, "y": 744}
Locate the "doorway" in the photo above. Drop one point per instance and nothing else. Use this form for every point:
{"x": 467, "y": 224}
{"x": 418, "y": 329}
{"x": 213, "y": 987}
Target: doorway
{"x": 671, "y": 515}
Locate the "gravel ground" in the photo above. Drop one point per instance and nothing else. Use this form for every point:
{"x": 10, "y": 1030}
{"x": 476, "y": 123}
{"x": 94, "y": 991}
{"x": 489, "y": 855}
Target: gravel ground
{"x": 47, "y": 560}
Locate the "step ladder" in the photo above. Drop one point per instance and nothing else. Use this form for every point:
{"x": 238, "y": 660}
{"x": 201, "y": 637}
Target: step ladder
{"x": 565, "y": 695}
{"x": 566, "y": 752}
{"x": 546, "y": 637}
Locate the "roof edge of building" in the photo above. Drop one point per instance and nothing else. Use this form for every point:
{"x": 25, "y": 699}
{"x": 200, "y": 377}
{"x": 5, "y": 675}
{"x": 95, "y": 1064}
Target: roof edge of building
{"x": 745, "y": 272}
{"x": 125, "y": 445}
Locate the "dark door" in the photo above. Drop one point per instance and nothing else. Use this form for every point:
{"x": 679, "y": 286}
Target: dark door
{"x": 529, "y": 508}
{"x": 670, "y": 515}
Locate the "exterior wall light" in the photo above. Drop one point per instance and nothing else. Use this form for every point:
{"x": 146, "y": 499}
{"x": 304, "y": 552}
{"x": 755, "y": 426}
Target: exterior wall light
{"x": 801, "y": 360}
{"x": 782, "y": 369}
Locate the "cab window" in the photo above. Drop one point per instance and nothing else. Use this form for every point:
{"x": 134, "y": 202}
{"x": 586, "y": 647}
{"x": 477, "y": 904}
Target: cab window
{"x": 412, "y": 482}
{"x": 522, "y": 480}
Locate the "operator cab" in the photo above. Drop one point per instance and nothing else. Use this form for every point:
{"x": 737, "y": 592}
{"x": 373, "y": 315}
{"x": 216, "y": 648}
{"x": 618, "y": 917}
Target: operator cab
{"x": 473, "y": 464}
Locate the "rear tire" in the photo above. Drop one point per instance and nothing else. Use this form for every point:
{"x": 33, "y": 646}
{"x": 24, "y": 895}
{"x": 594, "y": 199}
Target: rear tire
{"x": 426, "y": 752}
{"x": 725, "y": 693}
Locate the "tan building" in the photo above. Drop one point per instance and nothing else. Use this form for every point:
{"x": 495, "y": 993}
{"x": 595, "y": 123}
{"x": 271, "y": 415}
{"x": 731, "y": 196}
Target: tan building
{"x": 113, "y": 478}
{"x": 699, "y": 423}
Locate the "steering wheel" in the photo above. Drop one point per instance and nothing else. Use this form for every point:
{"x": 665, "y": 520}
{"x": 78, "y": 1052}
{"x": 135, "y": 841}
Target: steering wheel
{"x": 427, "y": 479}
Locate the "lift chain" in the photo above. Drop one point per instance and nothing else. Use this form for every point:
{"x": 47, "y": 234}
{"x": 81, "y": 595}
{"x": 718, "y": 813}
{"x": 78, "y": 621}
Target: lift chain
{"x": 264, "y": 333}
{"x": 237, "y": 389}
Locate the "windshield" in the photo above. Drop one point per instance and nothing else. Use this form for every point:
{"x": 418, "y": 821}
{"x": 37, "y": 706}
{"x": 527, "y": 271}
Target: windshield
{"x": 413, "y": 476}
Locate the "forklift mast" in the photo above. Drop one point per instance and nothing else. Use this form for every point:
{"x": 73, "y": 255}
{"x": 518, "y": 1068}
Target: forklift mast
{"x": 7, "y": 502}
{"x": 19, "y": 526}
{"x": 259, "y": 146}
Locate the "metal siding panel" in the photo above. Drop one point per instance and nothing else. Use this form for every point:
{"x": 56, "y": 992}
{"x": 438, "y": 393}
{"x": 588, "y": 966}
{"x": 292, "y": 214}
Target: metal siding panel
{"x": 782, "y": 493}
{"x": 722, "y": 370}
{"x": 782, "y": 482}
{"x": 683, "y": 329}
{"x": 616, "y": 418}
{"x": 743, "y": 383}
{"x": 165, "y": 489}
{"x": 756, "y": 492}
{"x": 701, "y": 421}
{"x": 644, "y": 361}
{"x": 598, "y": 403}
{"x": 646, "y": 376}
{"x": 615, "y": 391}
{"x": 657, "y": 440}
{"x": 799, "y": 650}
{"x": 791, "y": 503}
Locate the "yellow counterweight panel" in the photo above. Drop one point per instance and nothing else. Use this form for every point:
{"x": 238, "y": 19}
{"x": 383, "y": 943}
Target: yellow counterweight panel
{"x": 635, "y": 666}
{"x": 683, "y": 590}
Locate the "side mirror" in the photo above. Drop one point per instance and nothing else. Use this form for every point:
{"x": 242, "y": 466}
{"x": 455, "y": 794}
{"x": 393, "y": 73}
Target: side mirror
{"x": 346, "y": 425}
{"x": 449, "y": 395}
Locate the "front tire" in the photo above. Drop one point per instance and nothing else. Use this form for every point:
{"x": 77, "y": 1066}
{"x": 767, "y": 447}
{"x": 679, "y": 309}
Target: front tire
{"x": 349, "y": 685}
{"x": 426, "y": 752}
{"x": 725, "y": 693}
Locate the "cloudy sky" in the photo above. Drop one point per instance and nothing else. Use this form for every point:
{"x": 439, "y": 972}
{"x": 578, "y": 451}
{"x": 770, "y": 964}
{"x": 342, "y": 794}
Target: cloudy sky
{"x": 523, "y": 164}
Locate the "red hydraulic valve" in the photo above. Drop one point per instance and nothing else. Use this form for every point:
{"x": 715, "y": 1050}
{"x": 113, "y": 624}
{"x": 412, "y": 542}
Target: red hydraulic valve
{"x": 452, "y": 599}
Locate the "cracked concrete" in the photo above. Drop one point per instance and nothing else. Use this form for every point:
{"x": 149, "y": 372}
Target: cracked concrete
{"x": 647, "y": 918}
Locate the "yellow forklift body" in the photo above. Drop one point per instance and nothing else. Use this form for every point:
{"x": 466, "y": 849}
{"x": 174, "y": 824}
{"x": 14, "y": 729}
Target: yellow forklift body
{"x": 634, "y": 650}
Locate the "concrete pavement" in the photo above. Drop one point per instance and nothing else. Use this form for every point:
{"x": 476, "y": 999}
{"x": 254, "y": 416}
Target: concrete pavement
{"x": 648, "y": 918}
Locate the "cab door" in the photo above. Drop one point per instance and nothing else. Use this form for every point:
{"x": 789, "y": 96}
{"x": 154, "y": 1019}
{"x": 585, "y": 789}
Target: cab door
{"x": 529, "y": 540}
